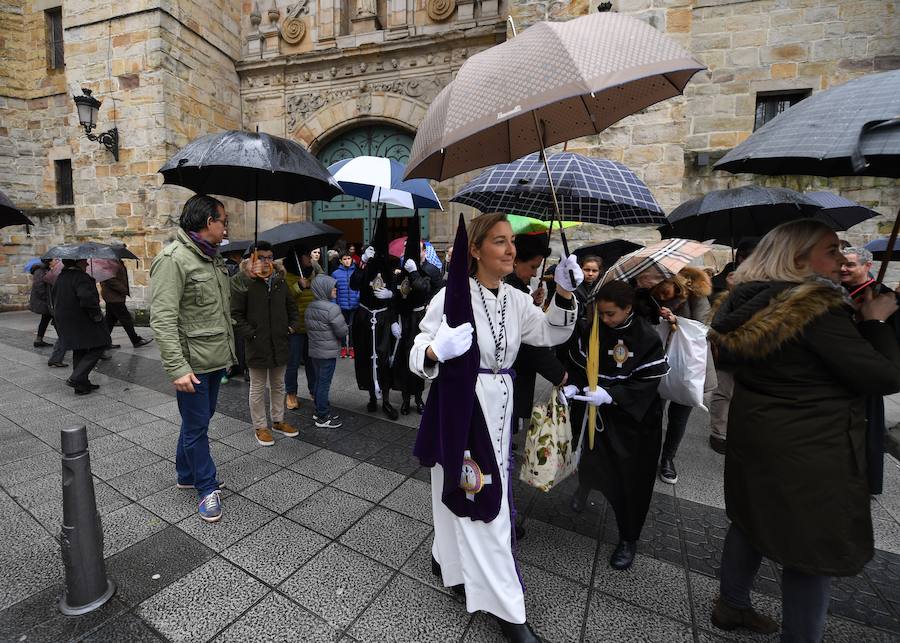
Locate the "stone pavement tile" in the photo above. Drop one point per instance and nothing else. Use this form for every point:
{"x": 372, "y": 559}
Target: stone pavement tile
{"x": 151, "y": 431}
{"x": 28, "y": 569}
{"x": 856, "y": 599}
{"x": 244, "y": 440}
{"x": 704, "y": 591}
{"x": 129, "y": 525}
{"x": 43, "y": 498}
{"x": 484, "y": 629}
{"x": 652, "y": 584}
{"x": 167, "y": 555}
{"x": 145, "y": 481}
{"x": 553, "y": 508}
{"x": 168, "y": 410}
{"x": 610, "y": 620}
{"x": 337, "y": 584}
{"x": 239, "y": 518}
{"x": 356, "y": 445}
{"x": 37, "y": 619}
{"x": 659, "y": 536}
{"x": 197, "y": 606}
{"x": 122, "y": 463}
{"x": 883, "y": 571}
{"x": 282, "y": 490}
{"x": 329, "y": 511}
{"x": 408, "y": 611}
{"x": 324, "y": 465}
{"x": 222, "y": 425}
{"x": 555, "y": 606}
{"x": 19, "y": 529}
{"x": 21, "y": 449}
{"x": 245, "y": 471}
{"x": 413, "y": 499}
{"x": 107, "y": 445}
{"x": 222, "y": 453}
{"x": 127, "y": 627}
{"x": 276, "y": 550}
{"x": 887, "y": 535}
{"x": 164, "y": 446}
{"x": 286, "y": 452}
{"x": 172, "y": 504}
{"x": 386, "y": 536}
{"x": 557, "y": 550}
{"x": 353, "y": 421}
{"x": 104, "y": 411}
{"x": 52, "y": 437}
{"x": 702, "y": 490}
{"x": 368, "y": 481}
{"x": 396, "y": 457}
{"x": 144, "y": 399}
{"x": 275, "y": 619}
{"x": 388, "y": 431}
{"x": 36, "y": 466}
{"x": 418, "y": 566}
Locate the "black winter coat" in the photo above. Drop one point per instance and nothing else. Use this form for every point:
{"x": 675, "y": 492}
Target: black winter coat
{"x": 76, "y": 310}
{"x": 262, "y": 314}
{"x": 39, "y": 300}
{"x": 795, "y": 466}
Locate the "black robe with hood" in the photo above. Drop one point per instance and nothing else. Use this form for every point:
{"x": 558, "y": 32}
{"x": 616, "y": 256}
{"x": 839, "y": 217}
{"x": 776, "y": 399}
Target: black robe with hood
{"x": 795, "y": 465}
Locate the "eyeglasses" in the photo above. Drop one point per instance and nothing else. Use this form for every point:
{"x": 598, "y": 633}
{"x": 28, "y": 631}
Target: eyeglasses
{"x": 262, "y": 258}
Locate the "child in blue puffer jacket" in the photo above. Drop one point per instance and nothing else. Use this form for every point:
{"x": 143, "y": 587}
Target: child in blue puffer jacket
{"x": 347, "y": 298}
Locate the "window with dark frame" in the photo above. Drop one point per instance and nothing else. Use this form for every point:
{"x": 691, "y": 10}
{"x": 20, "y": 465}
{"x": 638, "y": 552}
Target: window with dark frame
{"x": 55, "y": 58}
{"x": 771, "y": 104}
{"x": 65, "y": 195}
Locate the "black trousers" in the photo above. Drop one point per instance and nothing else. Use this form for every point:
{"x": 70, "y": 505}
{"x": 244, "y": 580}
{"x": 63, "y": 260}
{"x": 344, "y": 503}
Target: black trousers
{"x": 119, "y": 312}
{"x": 42, "y": 325}
{"x": 83, "y": 362}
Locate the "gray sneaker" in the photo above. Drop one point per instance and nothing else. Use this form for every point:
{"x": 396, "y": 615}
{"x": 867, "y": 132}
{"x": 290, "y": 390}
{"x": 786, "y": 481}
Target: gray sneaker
{"x": 330, "y": 422}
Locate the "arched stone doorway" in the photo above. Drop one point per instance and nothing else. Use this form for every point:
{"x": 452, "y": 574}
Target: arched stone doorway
{"x": 355, "y": 216}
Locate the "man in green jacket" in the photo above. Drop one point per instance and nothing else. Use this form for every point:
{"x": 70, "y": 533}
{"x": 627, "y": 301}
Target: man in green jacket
{"x": 191, "y": 318}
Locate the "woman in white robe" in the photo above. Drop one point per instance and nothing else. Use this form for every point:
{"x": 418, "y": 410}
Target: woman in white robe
{"x": 474, "y": 553}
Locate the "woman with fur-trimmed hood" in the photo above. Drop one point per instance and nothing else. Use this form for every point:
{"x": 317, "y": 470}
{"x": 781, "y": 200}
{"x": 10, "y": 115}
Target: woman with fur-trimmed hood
{"x": 685, "y": 295}
{"x": 795, "y": 464}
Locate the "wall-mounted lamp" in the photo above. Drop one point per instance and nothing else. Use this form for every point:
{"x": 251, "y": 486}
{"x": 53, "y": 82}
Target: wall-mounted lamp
{"x": 88, "y": 108}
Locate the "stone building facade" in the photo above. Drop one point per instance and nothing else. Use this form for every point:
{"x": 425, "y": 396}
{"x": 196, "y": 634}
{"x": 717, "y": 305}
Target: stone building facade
{"x": 356, "y": 76}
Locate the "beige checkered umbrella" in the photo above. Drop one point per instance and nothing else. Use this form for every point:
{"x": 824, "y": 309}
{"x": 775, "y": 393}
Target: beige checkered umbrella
{"x": 554, "y": 82}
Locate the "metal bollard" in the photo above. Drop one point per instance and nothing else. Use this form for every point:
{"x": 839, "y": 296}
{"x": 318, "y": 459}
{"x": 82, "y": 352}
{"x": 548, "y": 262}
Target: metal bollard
{"x": 87, "y": 586}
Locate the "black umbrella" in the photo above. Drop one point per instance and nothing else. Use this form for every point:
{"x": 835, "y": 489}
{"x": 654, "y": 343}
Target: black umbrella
{"x": 838, "y": 212}
{"x": 729, "y": 215}
{"x": 10, "y": 214}
{"x": 608, "y": 251}
{"x": 307, "y": 234}
{"x": 252, "y": 166}
{"x": 878, "y": 248}
{"x": 235, "y": 246}
{"x": 89, "y": 250}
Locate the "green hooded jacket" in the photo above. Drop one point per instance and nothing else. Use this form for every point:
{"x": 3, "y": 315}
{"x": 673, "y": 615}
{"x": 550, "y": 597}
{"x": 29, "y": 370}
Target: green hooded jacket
{"x": 190, "y": 309}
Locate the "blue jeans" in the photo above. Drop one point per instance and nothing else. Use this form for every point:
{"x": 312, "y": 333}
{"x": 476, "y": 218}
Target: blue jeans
{"x": 299, "y": 353}
{"x": 324, "y": 372}
{"x": 193, "y": 461}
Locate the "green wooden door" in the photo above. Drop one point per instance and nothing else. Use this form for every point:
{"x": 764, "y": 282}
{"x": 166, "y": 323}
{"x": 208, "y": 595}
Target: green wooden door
{"x": 371, "y": 140}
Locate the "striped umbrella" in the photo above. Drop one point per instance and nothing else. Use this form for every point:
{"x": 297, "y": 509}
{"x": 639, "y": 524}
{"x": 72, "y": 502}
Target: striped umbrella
{"x": 663, "y": 259}
{"x": 380, "y": 180}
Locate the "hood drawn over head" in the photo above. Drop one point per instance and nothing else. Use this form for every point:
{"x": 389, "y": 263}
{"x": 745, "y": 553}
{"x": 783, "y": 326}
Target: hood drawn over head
{"x": 322, "y": 287}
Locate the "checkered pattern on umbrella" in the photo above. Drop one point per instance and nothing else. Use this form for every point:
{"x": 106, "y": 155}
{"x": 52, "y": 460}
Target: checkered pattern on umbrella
{"x": 666, "y": 257}
{"x": 590, "y": 190}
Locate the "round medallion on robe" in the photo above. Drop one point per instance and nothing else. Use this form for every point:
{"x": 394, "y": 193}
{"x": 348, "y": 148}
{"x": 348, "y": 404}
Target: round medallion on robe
{"x": 440, "y": 10}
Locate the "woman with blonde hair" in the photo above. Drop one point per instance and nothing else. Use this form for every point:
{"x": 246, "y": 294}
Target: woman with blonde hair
{"x": 466, "y": 432}
{"x": 795, "y": 466}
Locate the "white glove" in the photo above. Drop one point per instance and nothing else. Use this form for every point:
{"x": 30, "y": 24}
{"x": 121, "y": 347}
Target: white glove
{"x": 451, "y": 342}
{"x": 383, "y": 293}
{"x": 597, "y": 397}
{"x": 561, "y": 274}
{"x": 395, "y": 330}
{"x": 410, "y": 266}
{"x": 368, "y": 254}
{"x": 566, "y": 393}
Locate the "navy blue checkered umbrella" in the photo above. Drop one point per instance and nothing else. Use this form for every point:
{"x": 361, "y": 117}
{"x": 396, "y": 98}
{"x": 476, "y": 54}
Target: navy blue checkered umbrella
{"x": 591, "y": 190}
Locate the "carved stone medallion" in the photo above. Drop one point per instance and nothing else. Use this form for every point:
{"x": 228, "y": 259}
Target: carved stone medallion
{"x": 440, "y": 10}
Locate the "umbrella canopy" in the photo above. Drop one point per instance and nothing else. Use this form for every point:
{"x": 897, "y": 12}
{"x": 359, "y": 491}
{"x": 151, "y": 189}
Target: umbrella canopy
{"x": 122, "y": 252}
{"x": 591, "y": 190}
{"x": 879, "y": 247}
{"x": 608, "y": 251}
{"x": 252, "y": 166}
{"x": 102, "y": 269}
{"x": 380, "y": 180}
{"x": 31, "y": 263}
{"x": 663, "y": 259}
{"x": 845, "y": 130}
{"x": 729, "y": 215}
{"x": 838, "y": 212}
{"x": 229, "y": 246}
{"x": 88, "y": 250}
{"x": 308, "y": 234}
{"x": 578, "y": 77}
{"x": 10, "y": 214}
{"x": 530, "y": 225}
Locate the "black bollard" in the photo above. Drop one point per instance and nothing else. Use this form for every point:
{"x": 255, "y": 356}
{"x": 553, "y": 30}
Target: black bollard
{"x": 87, "y": 586}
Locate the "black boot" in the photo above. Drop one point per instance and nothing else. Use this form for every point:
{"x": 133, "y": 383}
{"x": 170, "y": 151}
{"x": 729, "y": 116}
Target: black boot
{"x": 420, "y": 405}
{"x": 667, "y": 472}
{"x": 623, "y": 556}
{"x": 404, "y": 406}
{"x": 436, "y": 570}
{"x": 517, "y": 632}
{"x": 579, "y": 499}
{"x": 389, "y": 410}
{"x": 372, "y": 406}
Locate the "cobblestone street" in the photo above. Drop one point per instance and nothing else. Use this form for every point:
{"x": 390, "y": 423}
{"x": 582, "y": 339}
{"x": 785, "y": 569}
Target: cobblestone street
{"x": 327, "y": 537}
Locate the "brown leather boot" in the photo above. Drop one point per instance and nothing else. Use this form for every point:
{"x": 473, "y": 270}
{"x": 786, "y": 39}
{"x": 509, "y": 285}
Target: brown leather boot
{"x": 291, "y": 401}
{"x": 726, "y": 617}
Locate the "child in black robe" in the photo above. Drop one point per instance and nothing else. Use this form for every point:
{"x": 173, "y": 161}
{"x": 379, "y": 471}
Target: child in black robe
{"x": 622, "y": 463}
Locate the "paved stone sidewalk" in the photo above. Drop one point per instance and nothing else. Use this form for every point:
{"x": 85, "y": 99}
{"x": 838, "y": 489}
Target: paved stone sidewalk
{"x": 327, "y": 537}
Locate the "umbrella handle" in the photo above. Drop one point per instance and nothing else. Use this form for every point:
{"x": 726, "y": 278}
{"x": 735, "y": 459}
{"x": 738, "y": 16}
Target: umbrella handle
{"x": 890, "y": 249}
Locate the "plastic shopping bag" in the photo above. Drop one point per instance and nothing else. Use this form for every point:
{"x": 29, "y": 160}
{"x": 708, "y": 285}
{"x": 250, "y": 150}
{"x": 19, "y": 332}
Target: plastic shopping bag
{"x": 687, "y": 351}
{"x": 548, "y": 446}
